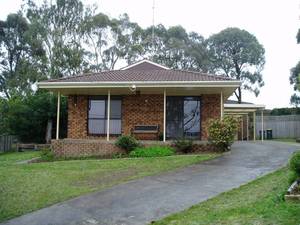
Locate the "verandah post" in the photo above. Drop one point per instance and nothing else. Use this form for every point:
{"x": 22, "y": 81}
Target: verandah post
{"x": 108, "y": 115}
{"x": 57, "y": 115}
{"x": 165, "y": 103}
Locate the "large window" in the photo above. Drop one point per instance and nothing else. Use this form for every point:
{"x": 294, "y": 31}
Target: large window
{"x": 97, "y": 115}
{"x": 183, "y": 117}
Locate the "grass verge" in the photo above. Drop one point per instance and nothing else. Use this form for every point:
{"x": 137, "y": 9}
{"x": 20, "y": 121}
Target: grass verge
{"x": 28, "y": 187}
{"x": 259, "y": 202}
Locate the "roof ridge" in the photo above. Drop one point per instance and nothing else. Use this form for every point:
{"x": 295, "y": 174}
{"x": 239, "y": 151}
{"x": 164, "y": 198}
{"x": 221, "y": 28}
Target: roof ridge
{"x": 203, "y": 73}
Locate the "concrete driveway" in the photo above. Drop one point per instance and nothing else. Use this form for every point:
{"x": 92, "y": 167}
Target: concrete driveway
{"x": 151, "y": 198}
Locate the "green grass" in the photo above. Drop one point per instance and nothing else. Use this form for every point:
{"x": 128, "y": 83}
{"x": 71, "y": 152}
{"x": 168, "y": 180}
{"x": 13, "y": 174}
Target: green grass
{"x": 28, "y": 187}
{"x": 260, "y": 202}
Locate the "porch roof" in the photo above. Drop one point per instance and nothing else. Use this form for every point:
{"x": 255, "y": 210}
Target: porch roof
{"x": 234, "y": 107}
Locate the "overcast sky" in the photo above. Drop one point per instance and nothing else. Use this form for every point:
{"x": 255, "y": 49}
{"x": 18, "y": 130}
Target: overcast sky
{"x": 274, "y": 23}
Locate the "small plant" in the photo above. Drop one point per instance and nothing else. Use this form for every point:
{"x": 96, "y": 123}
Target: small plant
{"x": 183, "y": 145}
{"x": 222, "y": 132}
{"x": 128, "y": 143}
{"x": 152, "y": 151}
{"x": 47, "y": 154}
{"x": 294, "y": 164}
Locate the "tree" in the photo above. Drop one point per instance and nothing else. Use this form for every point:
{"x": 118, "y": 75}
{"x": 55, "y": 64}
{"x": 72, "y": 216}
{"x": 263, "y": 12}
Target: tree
{"x": 59, "y": 25}
{"x": 175, "y": 48}
{"x": 294, "y": 79}
{"x": 27, "y": 116}
{"x": 20, "y": 56}
{"x": 237, "y": 54}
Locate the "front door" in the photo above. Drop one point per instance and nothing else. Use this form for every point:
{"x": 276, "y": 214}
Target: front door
{"x": 183, "y": 117}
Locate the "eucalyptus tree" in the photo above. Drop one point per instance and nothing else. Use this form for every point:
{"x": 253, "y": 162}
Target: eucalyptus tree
{"x": 294, "y": 79}
{"x": 175, "y": 48}
{"x": 237, "y": 54}
{"x": 112, "y": 40}
{"x": 59, "y": 23}
{"x": 20, "y": 56}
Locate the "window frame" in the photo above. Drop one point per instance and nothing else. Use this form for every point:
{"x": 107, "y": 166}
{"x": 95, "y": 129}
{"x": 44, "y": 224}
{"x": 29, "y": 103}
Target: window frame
{"x": 105, "y": 98}
{"x": 183, "y": 98}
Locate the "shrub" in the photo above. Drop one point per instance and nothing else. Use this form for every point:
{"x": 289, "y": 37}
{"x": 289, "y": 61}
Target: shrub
{"x": 222, "y": 132}
{"x": 47, "y": 154}
{"x": 152, "y": 151}
{"x": 183, "y": 145}
{"x": 294, "y": 163}
{"x": 127, "y": 142}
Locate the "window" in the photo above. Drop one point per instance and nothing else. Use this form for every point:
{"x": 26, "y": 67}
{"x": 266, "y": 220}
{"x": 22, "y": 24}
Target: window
{"x": 183, "y": 117}
{"x": 97, "y": 115}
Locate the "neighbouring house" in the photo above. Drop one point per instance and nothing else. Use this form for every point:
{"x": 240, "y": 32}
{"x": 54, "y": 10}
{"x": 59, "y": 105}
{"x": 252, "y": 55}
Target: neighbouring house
{"x": 145, "y": 99}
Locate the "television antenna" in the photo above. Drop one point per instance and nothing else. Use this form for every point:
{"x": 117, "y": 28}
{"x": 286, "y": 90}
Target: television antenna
{"x": 153, "y": 14}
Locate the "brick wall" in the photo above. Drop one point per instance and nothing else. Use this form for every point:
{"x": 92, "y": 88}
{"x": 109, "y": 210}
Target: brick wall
{"x": 210, "y": 109}
{"x": 72, "y": 148}
{"x": 142, "y": 110}
{"x": 137, "y": 110}
{"x": 77, "y": 117}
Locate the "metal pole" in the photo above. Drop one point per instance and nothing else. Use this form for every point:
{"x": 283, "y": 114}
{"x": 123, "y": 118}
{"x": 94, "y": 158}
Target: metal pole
{"x": 57, "y": 115}
{"x": 247, "y": 127}
{"x": 262, "y": 125}
{"x": 108, "y": 115}
{"x": 165, "y": 106}
{"x": 254, "y": 126}
{"x": 222, "y": 105}
{"x": 242, "y": 128}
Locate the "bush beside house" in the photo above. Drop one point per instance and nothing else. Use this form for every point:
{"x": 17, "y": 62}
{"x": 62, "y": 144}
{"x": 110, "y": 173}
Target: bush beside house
{"x": 222, "y": 132}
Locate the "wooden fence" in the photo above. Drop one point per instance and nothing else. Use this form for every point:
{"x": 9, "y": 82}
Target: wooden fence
{"x": 282, "y": 126}
{"x": 6, "y": 142}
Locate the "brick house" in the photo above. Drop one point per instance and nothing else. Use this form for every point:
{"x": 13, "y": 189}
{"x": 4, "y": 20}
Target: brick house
{"x": 144, "y": 99}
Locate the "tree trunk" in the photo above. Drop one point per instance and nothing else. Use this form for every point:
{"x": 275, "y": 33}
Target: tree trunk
{"x": 239, "y": 95}
{"x": 49, "y": 131}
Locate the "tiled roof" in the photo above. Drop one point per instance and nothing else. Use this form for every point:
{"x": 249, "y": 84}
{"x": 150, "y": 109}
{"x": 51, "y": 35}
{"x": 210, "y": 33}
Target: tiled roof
{"x": 142, "y": 75}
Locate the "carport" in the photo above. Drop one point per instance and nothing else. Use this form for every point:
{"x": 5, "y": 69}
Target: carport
{"x": 245, "y": 111}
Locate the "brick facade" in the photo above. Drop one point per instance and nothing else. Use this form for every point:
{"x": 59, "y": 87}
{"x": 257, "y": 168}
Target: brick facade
{"x": 142, "y": 110}
{"x": 136, "y": 110}
{"x": 210, "y": 109}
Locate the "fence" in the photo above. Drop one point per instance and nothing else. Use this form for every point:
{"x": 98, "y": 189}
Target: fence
{"x": 6, "y": 142}
{"x": 282, "y": 126}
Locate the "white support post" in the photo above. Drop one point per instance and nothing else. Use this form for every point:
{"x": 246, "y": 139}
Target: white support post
{"x": 262, "y": 125}
{"x": 242, "y": 128}
{"x": 165, "y": 106}
{"x": 247, "y": 127}
{"x": 108, "y": 115}
{"x": 57, "y": 115}
{"x": 222, "y": 105}
{"x": 254, "y": 126}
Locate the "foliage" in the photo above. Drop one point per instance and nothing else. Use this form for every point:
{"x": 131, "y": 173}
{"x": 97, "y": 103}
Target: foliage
{"x": 20, "y": 56}
{"x": 27, "y": 117}
{"x": 222, "y": 132}
{"x": 258, "y": 202}
{"x": 285, "y": 111}
{"x": 294, "y": 80}
{"x": 152, "y": 151}
{"x": 238, "y": 54}
{"x": 294, "y": 163}
{"x": 176, "y": 48}
{"x": 127, "y": 143}
{"x": 47, "y": 183}
{"x": 183, "y": 145}
{"x": 47, "y": 155}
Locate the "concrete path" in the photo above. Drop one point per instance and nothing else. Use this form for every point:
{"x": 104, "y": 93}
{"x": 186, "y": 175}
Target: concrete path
{"x": 151, "y": 198}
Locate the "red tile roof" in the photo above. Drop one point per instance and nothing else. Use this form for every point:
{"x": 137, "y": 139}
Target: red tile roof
{"x": 143, "y": 72}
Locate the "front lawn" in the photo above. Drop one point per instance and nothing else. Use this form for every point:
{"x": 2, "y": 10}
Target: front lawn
{"x": 259, "y": 202}
{"x": 28, "y": 187}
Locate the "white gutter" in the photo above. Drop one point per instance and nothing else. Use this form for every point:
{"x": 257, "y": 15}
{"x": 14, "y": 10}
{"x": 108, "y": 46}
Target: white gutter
{"x": 55, "y": 85}
{"x": 244, "y": 106}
